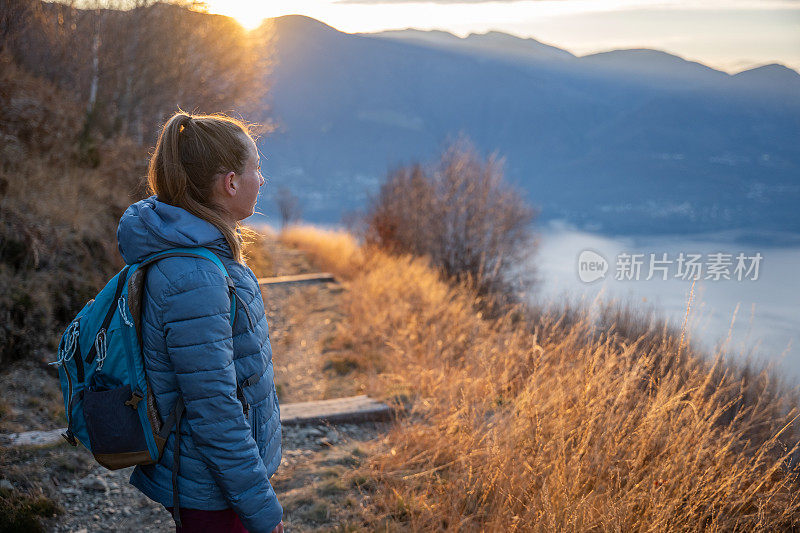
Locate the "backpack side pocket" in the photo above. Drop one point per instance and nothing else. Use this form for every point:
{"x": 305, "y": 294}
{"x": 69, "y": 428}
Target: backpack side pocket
{"x": 115, "y": 428}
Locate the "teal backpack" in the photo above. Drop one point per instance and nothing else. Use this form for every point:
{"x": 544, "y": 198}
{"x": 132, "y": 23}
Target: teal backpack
{"x": 108, "y": 403}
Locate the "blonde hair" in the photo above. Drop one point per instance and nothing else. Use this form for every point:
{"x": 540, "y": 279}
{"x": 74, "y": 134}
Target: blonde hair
{"x": 190, "y": 151}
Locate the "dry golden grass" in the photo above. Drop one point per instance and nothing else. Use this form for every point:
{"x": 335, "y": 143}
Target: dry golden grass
{"x": 335, "y": 251}
{"x": 550, "y": 420}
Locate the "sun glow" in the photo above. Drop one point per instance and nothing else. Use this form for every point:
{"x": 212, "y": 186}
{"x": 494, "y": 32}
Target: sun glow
{"x": 362, "y": 15}
{"x": 250, "y": 14}
{"x": 726, "y": 34}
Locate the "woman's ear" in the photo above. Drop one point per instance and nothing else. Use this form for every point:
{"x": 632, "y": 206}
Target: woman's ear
{"x": 230, "y": 182}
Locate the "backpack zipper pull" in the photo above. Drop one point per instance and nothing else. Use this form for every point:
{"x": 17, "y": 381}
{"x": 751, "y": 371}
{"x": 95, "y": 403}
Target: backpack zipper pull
{"x": 122, "y": 312}
{"x": 66, "y": 349}
{"x": 101, "y": 347}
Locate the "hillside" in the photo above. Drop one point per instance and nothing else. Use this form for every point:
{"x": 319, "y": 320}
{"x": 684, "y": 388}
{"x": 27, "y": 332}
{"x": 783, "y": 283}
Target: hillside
{"x": 540, "y": 419}
{"x": 72, "y": 158}
{"x": 58, "y": 211}
{"x": 628, "y": 141}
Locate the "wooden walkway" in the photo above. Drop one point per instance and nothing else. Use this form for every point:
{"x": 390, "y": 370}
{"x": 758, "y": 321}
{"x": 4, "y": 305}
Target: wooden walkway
{"x": 315, "y": 277}
{"x": 351, "y": 410}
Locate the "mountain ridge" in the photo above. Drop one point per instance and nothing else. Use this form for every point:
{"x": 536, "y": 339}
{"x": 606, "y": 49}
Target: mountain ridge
{"x": 442, "y": 35}
{"x": 622, "y": 152}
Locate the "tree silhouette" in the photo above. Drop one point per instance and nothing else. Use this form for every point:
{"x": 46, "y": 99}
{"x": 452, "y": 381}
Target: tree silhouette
{"x": 288, "y": 205}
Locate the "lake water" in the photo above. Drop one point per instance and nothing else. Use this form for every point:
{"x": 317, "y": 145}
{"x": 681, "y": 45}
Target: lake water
{"x": 760, "y": 318}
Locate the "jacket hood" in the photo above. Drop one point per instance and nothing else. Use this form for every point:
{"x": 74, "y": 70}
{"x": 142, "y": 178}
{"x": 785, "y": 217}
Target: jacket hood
{"x": 149, "y": 226}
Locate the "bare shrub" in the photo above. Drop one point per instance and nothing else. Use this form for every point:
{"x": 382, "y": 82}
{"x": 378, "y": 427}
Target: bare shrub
{"x": 462, "y": 215}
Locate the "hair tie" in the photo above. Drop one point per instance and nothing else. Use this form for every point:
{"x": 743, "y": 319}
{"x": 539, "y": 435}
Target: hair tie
{"x": 185, "y": 124}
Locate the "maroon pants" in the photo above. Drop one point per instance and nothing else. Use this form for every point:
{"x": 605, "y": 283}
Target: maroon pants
{"x": 198, "y": 521}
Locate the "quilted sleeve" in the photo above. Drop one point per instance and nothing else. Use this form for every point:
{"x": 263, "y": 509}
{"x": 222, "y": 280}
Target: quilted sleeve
{"x": 196, "y": 317}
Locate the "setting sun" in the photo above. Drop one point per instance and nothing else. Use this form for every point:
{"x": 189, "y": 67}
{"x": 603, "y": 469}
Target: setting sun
{"x": 250, "y": 14}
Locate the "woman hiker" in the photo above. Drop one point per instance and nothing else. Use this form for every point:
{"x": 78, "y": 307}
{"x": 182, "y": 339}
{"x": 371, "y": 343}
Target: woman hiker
{"x": 205, "y": 176}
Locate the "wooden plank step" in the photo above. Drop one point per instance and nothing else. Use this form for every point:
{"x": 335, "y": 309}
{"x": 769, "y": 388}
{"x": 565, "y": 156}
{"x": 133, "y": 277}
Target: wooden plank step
{"x": 351, "y": 410}
{"x": 33, "y": 438}
{"x": 314, "y": 277}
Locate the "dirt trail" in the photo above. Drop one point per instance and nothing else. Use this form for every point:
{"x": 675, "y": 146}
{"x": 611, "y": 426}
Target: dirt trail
{"x": 312, "y": 480}
{"x": 302, "y": 321}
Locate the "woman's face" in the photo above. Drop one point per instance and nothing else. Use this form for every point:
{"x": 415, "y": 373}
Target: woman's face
{"x": 243, "y": 203}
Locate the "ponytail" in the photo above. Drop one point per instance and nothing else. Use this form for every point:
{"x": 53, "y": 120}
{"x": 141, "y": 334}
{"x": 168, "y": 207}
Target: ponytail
{"x": 190, "y": 151}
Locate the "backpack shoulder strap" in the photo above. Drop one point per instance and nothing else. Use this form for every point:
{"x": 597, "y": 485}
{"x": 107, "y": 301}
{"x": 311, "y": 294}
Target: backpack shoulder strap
{"x": 187, "y": 252}
{"x": 137, "y": 278}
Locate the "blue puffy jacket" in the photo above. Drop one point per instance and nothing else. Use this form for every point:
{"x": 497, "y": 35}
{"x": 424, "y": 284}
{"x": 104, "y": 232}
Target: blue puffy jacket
{"x": 226, "y": 457}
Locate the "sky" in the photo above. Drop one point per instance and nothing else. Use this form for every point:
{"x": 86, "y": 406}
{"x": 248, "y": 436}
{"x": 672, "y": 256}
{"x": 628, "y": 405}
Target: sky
{"x": 731, "y": 35}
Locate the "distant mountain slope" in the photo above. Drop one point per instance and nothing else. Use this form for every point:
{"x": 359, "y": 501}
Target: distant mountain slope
{"x": 652, "y": 64}
{"x": 627, "y": 141}
{"x": 492, "y": 43}
{"x": 772, "y": 78}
